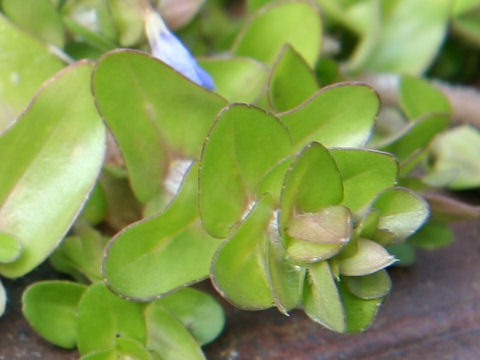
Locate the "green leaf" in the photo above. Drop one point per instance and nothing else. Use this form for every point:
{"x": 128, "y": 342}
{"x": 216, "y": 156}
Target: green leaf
{"x": 81, "y": 253}
{"x": 130, "y": 85}
{"x": 369, "y": 258}
{"x": 172, "y": 243}
{"x": 51, "y": 308}
{"x": 312, "y": 182}
{"x": 373, "y": 286}
{"x": 297, "y": 23}
{"x": 416, "y": 136}
{"x": 402, "y": 212}
{"x": 167, "y": 337}
{"x": 238, "y": 79}
{"x": 125, "y": 348}
{"x": 238, "y": 267}
{"x": 10, "y": 248}
{"x": 3, "y": 299}
{"x": 365, "y": 173}
{"x": 284, "y": 278}
{"x": 432, "y": 236}
{"x": 18, "y": 78}
{"x": 244, "y": 144}
{"x": 403, "y": 252}
{"x": 456, "y": 151}
{"x": 200, "y": 313}
{"x": 419, "y": 98}
{"x": 102, "y": 317}
{"x": 337, "y": 115}
{"x": 38, "y": 17}
{"x": 322, "y": 301}
{"x": 273, "y": 181}
{"x": 57, "y": 154}
{"x": 359, "y": 313}
{"x": 292, "y": 80}
{"x": 410, "y": 51}
{"x": 463, "y": 6}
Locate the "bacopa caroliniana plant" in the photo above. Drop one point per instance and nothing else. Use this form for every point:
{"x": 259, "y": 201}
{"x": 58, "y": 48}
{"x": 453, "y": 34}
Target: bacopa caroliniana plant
{"x": 239, "y": 168}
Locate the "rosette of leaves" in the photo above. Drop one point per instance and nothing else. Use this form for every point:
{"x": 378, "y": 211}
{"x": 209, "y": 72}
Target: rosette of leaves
{"x": 102, "y": 325}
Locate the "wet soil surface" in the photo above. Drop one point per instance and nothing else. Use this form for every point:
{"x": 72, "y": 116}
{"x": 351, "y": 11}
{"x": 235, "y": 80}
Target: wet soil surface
{"x": 432, "y": 313}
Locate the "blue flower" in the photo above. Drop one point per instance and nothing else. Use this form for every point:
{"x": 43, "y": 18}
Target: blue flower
{"x": 168, "y": 48}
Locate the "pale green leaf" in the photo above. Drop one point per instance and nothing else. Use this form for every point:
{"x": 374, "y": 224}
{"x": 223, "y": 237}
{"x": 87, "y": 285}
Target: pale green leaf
{"x": 238, "y": 79}
{"x": 365, "y": 173}
{"x": 294, "y": 22}
{"x": 10, "y": 248}
{"x": 322, "y": 301}
{"x": 103, "y": 316}
{"x": 38, "y": 17}
{"x": 369, "y": 258}
{"x": 284, "y": 278}
{"x": 52, "y": 159}
{"x": 314, "y": 168}
{"x": 337, "y": 115}
{"x": 416, "y": 136}
{"x": 238, "y": 267}
{"x": 19, "y": 80}
{"x": 456, "y": 151}
{"x": 172, "y": 243}
{"x": 242, "y": 147}
{"x": 143, "y": 102}
{"x": 410, "y": 51}
{"x": 125, "y": 349}
{"x": 402, "y": 212}
{"x": 419, "y": 98}
{"x": 51, "y": 308}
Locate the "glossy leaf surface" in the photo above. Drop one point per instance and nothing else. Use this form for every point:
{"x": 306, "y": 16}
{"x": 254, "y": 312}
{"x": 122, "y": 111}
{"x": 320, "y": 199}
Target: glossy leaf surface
{"x": 242, "y": 147}
{"x": 339, "y": 115}
{"x": 143, "y": 102}
{"x": 51, "y": 308}
{"x": 57, "y": 154}
{"x": 297, "y": 23}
